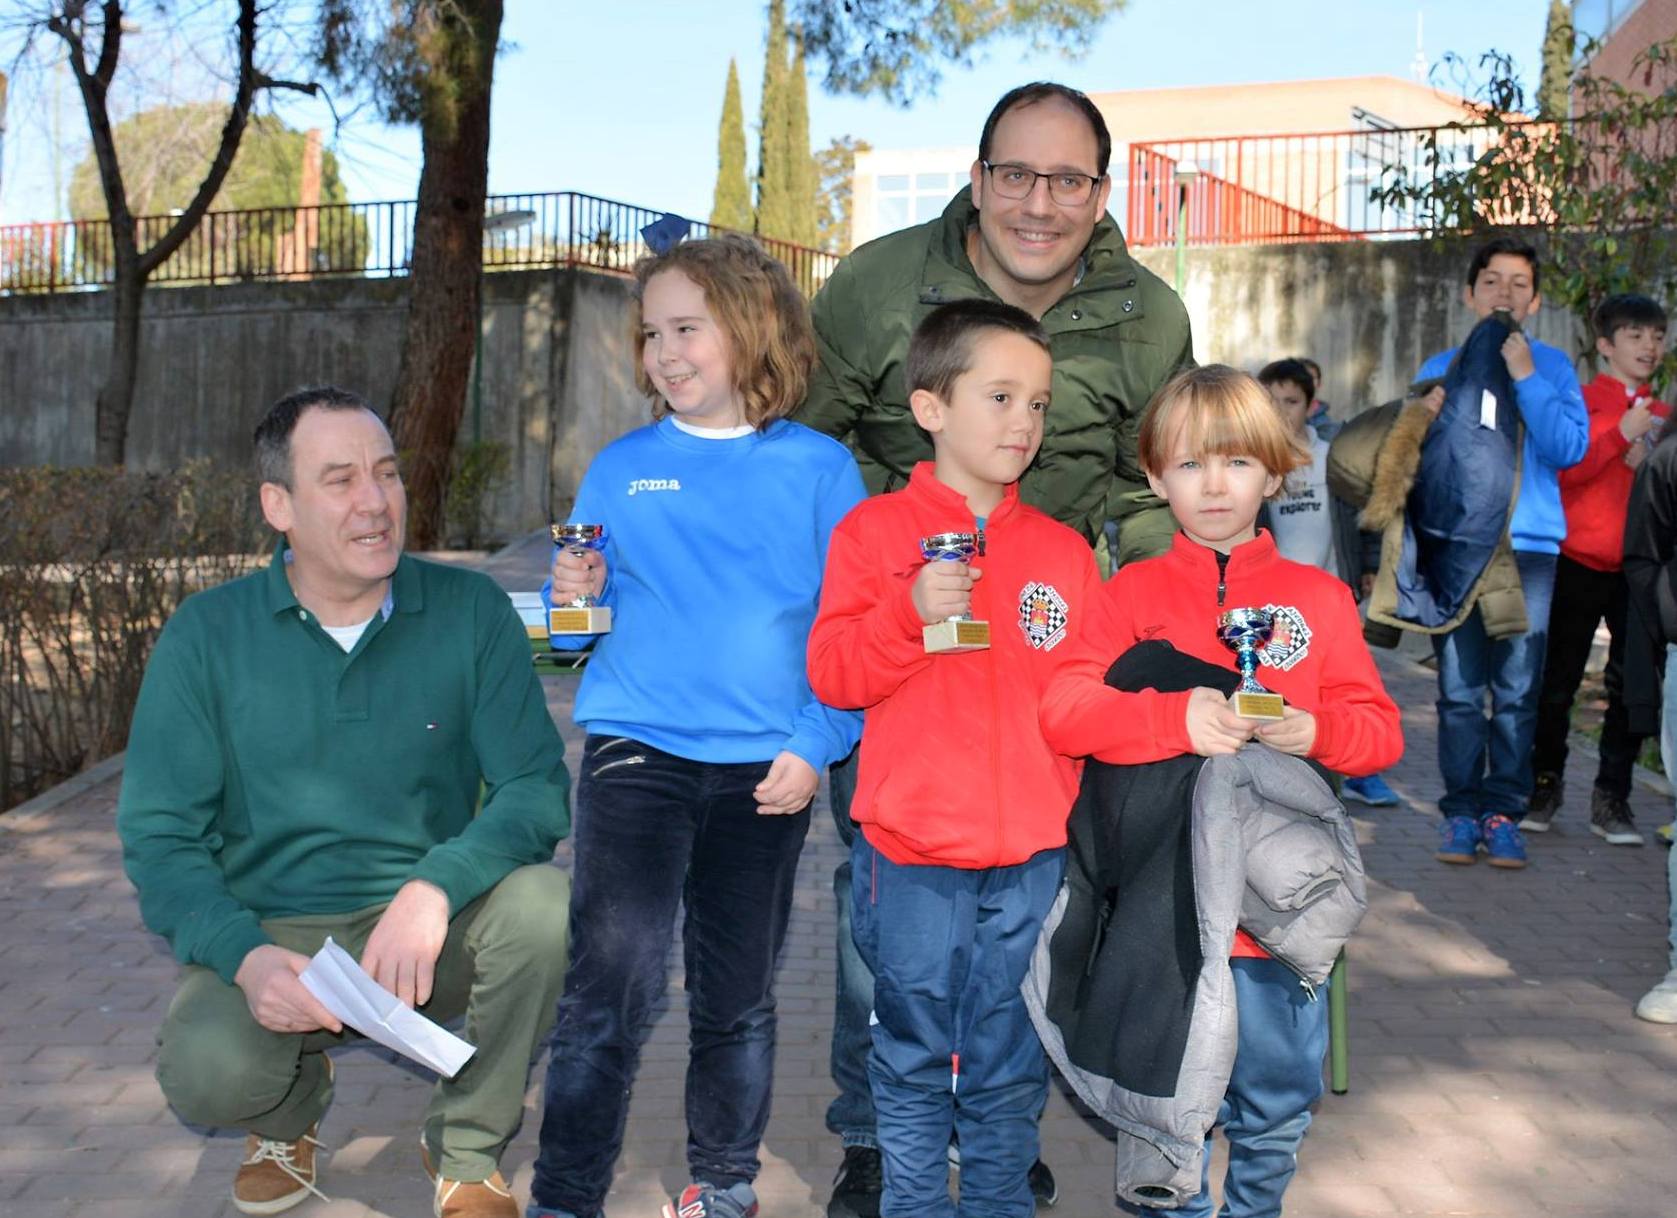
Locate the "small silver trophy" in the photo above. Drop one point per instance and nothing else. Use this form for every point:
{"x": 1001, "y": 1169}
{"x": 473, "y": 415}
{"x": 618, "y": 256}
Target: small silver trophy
{"x": 581, "y": 615}
{"x": 1244, "y": 632}
{"x": 958, "y": 633}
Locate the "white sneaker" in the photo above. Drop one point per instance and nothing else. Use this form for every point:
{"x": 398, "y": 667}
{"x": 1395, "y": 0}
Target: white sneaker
{"x": 1659, "y": 1005}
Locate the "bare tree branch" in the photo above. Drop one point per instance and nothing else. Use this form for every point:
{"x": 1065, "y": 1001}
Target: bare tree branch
{"x": 70, "y": 22}
{"x": 237, "y": 116}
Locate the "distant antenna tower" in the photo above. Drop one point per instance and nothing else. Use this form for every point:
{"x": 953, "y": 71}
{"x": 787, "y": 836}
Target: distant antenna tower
{"x": 1418, "y": 67}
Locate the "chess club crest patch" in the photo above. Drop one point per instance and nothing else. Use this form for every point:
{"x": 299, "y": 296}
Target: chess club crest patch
{"x": 1290, "y": 641}
{"x": 1042, "y": 615}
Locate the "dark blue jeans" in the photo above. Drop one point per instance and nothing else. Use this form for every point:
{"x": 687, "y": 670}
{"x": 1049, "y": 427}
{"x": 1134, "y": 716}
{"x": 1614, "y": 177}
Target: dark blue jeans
{"x": 654, "y": 831}
{"x": 1485, "y": 763}
{"x": 850, "y": 1115}
{"x": 1282, "y": 1038}
{"x": 953, "y": 1046}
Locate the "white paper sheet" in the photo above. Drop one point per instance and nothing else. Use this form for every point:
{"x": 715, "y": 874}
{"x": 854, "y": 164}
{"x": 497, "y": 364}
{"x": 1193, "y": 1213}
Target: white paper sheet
{"x": 344, "y": 988}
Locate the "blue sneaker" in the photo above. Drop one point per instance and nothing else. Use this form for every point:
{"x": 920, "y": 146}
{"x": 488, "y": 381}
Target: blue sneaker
{"x": 1372, "y": 791}
{"x": 1461, "y": 840}
{"x": 1503, "y": 843}
{"x": 708, "y": 1201}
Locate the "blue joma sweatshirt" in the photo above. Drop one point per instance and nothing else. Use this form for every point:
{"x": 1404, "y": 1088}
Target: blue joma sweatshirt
{"x": 714, "y": 553}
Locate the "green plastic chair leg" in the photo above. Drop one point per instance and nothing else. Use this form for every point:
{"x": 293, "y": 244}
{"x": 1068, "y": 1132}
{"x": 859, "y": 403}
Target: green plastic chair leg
{"x": 1339, "y": 1024}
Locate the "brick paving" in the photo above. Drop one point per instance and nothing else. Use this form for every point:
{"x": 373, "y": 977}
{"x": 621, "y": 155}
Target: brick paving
{"x": 1496, "y": 1068}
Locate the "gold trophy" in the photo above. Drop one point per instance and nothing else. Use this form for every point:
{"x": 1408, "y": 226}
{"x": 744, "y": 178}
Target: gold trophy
{"x": 1244, "y": 631}
{"x": 581, "y": 615}
{"x": 958, "y": 633}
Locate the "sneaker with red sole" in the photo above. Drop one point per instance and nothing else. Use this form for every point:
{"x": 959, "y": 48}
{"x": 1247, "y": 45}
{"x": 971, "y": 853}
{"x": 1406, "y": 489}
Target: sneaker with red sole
{"x": 708, "y": 1201}
{"x": 1502, "y": 842}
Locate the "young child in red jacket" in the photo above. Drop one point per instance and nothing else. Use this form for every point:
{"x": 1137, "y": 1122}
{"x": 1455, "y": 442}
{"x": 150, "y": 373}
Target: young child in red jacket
{"x": 1625, "y": 421}
{"x": 961, "y": 804}
{"x": 1214, "y": 448}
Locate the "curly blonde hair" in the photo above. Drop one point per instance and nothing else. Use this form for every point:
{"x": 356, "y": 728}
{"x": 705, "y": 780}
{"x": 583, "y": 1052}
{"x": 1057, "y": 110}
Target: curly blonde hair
{"x": 771, "y": 345}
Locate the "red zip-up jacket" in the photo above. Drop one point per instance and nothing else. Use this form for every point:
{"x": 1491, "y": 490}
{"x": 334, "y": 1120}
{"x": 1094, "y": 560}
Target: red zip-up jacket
{"x": 954, "y": 770}
{"x": 1596, "y": 491}
{"x": 1317, "y": 659}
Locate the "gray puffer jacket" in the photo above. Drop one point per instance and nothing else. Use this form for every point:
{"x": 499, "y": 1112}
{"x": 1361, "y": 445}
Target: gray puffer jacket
{"x": 1130, "y": 986}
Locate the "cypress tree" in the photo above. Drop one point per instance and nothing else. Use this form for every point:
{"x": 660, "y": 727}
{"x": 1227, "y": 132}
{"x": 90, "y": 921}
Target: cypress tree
{"x": 803, "y": 183}
{"x": 731, "y": 205}
{"x": 774, "y": 184}
{"x": 1554, "y": 89}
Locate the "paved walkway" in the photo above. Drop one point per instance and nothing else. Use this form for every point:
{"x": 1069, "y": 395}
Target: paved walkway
{"x": 1496, "y": 1069}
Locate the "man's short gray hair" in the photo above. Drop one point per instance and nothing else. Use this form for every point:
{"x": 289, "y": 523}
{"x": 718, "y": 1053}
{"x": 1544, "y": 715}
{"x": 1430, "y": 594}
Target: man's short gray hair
{"x": 273, "y": 433}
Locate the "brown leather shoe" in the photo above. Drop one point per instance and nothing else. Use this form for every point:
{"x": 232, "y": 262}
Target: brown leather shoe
{"x": 276, "y": 1175}
{"x": 489, "y": 1198}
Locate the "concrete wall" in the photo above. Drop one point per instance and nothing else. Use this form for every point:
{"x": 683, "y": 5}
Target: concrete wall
{"x": 558, "y": 379}
{"x": 557, "y": 375}
{"x": 1370, "y": 312}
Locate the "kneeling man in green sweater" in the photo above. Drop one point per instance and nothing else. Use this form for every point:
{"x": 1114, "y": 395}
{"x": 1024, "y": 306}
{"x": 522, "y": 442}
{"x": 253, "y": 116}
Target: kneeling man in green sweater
{"x": 350, "y": 743}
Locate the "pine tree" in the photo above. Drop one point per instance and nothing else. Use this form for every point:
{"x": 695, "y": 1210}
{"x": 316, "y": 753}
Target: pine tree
{"x": 731, "y": 205}
{"x": 774, "y": 184}
{"x": 1554, "y": 90}
{"x": 804, "y": 184}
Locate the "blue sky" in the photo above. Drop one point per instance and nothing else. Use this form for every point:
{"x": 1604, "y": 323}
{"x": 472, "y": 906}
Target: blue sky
{"x": 622, "y": 100}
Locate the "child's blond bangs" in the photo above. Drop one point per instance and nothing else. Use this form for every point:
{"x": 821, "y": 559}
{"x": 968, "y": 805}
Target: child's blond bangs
{"x": 1217, "y": 410}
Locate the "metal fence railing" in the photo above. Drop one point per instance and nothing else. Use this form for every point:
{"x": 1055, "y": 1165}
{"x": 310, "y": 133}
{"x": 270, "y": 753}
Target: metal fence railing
{"x": 1318, "y": 187}
{"x": 556, "y": 228}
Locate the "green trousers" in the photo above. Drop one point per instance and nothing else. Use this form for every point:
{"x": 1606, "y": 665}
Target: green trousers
{"x": 502, "y": 967}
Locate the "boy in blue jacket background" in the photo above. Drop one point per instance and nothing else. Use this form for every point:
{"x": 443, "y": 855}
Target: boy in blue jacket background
{"x": 1484, "y": 763}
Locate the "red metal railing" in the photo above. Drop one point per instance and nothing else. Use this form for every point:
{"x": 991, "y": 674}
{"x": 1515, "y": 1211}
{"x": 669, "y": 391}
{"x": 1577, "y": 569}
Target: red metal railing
{"x": 1219, "y": 211}
{"x": 1318, "y": 187}
{"x": 556, "y": 228}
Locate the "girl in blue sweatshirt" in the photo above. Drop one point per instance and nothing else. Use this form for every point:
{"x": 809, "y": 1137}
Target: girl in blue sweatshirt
{"x": 705, "y": 744}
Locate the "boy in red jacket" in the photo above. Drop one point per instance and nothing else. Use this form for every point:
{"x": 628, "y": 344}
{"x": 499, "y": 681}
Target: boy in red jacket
{"x": 961, "y": 804}
{"x": 1214, "y": 448}
{"x": 1625, "y": 420}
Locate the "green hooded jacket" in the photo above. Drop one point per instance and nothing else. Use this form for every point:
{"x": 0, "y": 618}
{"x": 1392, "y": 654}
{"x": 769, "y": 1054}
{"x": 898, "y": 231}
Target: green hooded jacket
{"x": 1117, "y": 335}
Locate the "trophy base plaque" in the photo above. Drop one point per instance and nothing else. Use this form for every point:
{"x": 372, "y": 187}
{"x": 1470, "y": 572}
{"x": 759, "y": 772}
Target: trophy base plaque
{"x": 1249, "y": 705}
{"x": 955, "y": 636}
{"x": 579, "y": 619}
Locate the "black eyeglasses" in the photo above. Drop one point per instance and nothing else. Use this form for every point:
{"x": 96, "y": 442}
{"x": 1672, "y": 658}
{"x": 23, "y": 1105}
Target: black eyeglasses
{"x": 1017, "y": 181}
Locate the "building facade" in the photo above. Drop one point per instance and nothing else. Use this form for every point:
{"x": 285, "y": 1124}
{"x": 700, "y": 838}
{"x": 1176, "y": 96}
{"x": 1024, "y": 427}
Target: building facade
{"x": 896, "y": 187}
{"x": 1622, "y": 30}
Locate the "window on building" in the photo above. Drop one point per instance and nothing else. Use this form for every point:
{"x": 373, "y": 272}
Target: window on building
{"x": 1599, "y": 19}
{"x": 901, "y": 199}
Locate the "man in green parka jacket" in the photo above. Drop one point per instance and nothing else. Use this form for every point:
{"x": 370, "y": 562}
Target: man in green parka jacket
{"x": 1117, "y": 331}
{"x": 1031, "y": 230}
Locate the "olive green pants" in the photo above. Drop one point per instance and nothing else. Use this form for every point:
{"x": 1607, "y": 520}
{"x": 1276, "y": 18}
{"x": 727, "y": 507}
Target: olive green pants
{"x": 502, "y": 967}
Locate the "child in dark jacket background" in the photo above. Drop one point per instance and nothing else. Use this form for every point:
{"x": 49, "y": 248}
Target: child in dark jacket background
{"x": 1650, "y": 565}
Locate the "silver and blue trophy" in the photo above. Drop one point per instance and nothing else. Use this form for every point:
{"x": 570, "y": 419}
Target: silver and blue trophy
{"x": 1246, "y": 632}
{"x": 581, "y": 615}
{"x": 960, "y": 632}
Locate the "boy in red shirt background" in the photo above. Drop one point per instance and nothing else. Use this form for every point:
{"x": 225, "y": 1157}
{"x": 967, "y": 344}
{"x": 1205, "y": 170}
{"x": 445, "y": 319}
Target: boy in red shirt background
{"x": 1214, "y": 449}
{"x": 961, "y": 804}
{"x": 1625, "y": 420}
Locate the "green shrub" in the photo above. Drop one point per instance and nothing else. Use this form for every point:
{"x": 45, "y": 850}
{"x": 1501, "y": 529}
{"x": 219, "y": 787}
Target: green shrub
{"x": 479, "y": 471}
